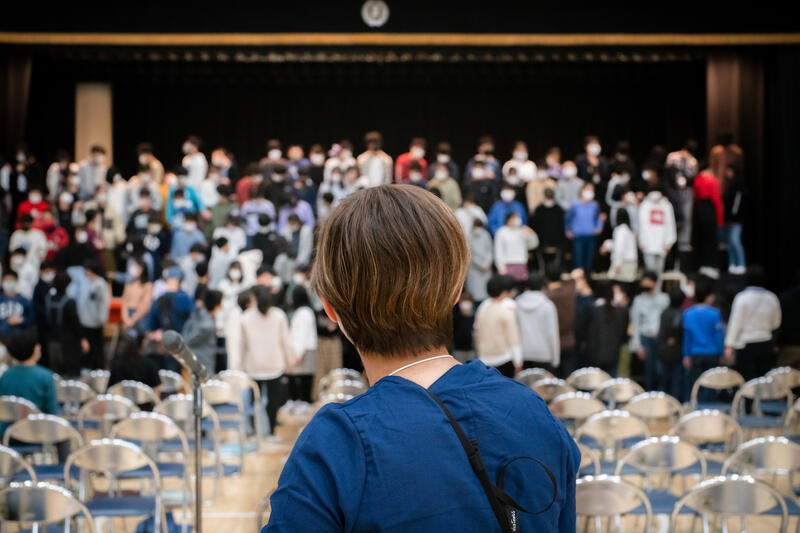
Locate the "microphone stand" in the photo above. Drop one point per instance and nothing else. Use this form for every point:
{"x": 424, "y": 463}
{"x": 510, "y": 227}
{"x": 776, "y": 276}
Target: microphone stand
{"x": 197, "y": 400}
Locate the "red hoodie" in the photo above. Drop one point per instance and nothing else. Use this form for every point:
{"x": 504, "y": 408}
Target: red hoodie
{"x": 57, "y": 238}
{"x": 707, "y": 186}
{"x": 35, "y": 210}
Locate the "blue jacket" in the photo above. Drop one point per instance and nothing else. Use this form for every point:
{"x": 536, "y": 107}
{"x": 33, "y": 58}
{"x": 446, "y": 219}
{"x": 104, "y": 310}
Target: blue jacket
{"x": 189, "y": 194}
{"x": 170, "y": 311}
{"x": 389, "y": 461}
{"x": 703, "y": 331}
{"x": 499, "y": 212}
{"x": 182, "y": 242}
{"x": 583, "y": 219}
{"x": 16, "y": 306}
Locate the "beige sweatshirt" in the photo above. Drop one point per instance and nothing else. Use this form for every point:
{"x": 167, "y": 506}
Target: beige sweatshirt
{"x": 266, "y": 344}
{"x": 497, "y": 333}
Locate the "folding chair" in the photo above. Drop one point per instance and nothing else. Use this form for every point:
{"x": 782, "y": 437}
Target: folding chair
{"x": 219, "y": 393}
{"x": 13, "y": 408}
{"x": 171, "y": 383}
{"x": 731, "y": 496}
{"x": 759, "y": 390}
{"x": 611, "y": 432}
{"x": 549, "y": 388}
{"x": 13, "y": 464}
{"x": 242, "y": 383}
{"x": 137, "y": 392}
{"x": 97, "y": 380}
{"x": 587, "y": 379}
{"x": 573, "y": 408}
{"x": 717, "y": 379}
{"x": 103, "y": 412}
{"x": 771, "y": 460}
{"x": 612, "y": 498}
{"x": 588, "y": 459}
{"x": 42, "y": 504}
{"x": 712, "y": 431}
{"x": 341, "y": 374}
{"x": 110, "y": 457}
{"x": 791, "y": 378}
{"x": 661, "y": 457}
{"x": 46, "y": 431}
{"x": 790, "y": 431}
{"x": 655, "y": 407}
{"x": 617, "y": 391}
{"x": 529, "y": 376}
{"x": 72, "y": 394}
{"x": 149, "y": 430}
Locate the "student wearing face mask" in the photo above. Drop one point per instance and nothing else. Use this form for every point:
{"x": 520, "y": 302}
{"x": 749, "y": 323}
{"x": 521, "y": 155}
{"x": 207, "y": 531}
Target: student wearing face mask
{"x": 497, "y": 339}
{"x": 137, "y": 296}
{"x": 92, "y": 170}
{"x": 623, "y": 250}
{"x": 645, "y": 321}
{"x": 183, "y": 198}
{"x": 552, "y": 163}
{"x": 416, "y": 153}
{"x": 274, "y": 157}
{"x": 194, "y": 161}
{"x": 31, "y": 239}
{"x": 583, "y": 223}
{"x": 548, "y": 223}
{"x": 374, "y": 163}
{"x": 448, "y": 188}
{"x": 189, "y": 264}
{"x": 33, "y": 206}
{"x": 512, "y": 244}
{"x": 16, "y": 311}
{"x": 443, "y": 157}
{"x": 534, "y": 190}
{"x": 524, "y": 169}
{"x": 251, "y": 210}
{"x": 485, "y": 156}
{"x": 538, "y": 327}
{"x": 569, "y": 187}
{"x": 481, "y": 186}
{"x": 230, "y": 287}
{"x": 294, "y": 205}
{"x": 592, "y": 166}
{"x": 316, "y": 159}
{"x": 57, "y": 174}
{"x": 184, "y": 236}
{"x": 64, "y": 210}
{"x": 148, "y": 160}
{"x": 94, "y": 302}
{"x": 300, "y": 238}
{"x": 27, "y": 270}
{"x": 657, "y": 229}
{"x": 303, "y": 331}
{"x": 339, "y": 156}
{"x": 47, "y": 275}
{"x": 220, "y": 261}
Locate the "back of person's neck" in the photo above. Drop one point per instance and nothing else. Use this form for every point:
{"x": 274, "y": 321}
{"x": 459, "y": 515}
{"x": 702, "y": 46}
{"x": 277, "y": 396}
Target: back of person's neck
{"x": 377, "y": 366}
{"x": 31, "y": 361}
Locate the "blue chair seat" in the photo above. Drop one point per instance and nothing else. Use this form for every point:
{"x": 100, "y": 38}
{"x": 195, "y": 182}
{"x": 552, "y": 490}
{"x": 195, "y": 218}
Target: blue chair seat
{"x": 609, "y": 467}
{"x": 227, "y": 470}
{"x": 626, "y": 443}
{"x": 225, "y": 423}
{"x": 87, "y": 424}
{"x": 175, "y": 446}
{"x": 753, "y": 421}
{"x": 713, "y": 468}
{"x": 662, "y": 502}
{"x": 123, "y": 506}
{"x": 26, "y": 449}
{"x": 791, "y": 506}
{"x": 232, "y": 409}
{"x": 773, "y": 407}
{"x": 164, "y": 470}
{"x": 721, "y": 406}
{"x": 57, "y": 527}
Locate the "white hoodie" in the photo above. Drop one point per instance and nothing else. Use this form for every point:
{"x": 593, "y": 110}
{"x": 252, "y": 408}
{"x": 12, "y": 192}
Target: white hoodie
{"x": 657, "y": 230}
{"x": 538, "y": 328}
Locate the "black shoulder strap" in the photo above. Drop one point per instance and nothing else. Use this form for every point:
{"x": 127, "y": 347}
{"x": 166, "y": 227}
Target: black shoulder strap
{"x": 504, "y": 507}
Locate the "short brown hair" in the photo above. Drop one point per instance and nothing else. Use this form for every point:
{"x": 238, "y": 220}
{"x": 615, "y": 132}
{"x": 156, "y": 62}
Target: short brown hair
{"x": 391, "y": 261}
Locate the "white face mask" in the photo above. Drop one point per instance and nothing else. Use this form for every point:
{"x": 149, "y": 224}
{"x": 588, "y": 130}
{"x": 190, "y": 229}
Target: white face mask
{"x": 415, "y": 176}
{"x": 507, "y": 195}
{"x": 681, "y": 181}
{"x": 134, "y": 272}
{"x": 172, "y": 181}
{"x": 516, "y": 222}
{"x": 542, "y": 174}
{"x": 570, "y": 172}
{"x": 35, "y": 198}
{"x": 20, "y": 157}
{"x": 443, "y": 158}
{"x": 593, "y": 149}
{"x": 317, "y": 159}
{"x": 17, "y": 263}
{"x": 588, "y": 196}
{"x": 143, "y": 160}
{"x": 99, "y": 159}
{"x": 346, "y": 154}
{"x": 298, "y": 279}
{"x": 101, "y": 197}
{"x": 647, "y": 175}
{"x": 81, "y": 237}
{"x": 235, "y": 275}
{"x": 145, "y": 177}
{"x": 466, "y": 308}
{"x": 48, "y": 277}
{"x": 9, "y": 286}
{"x": 189, "y": 227}
{"x": 478, "y": 173}
{"x": 549, "y": 203}
{"x": 441, "y": 174}
{"x": 521, "y": 155}
{"x": 274, "y": 154}
{"x": 417, "y": 152}
{"x": 629, "y": 198}
{"x": 75, "y": 181}
{"x": 512, "y": 179}
{"x": 276, "y": 283}
{"x": 186, "y": 148}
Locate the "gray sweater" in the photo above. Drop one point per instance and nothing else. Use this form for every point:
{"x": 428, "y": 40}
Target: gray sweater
{"x": 646, "y": 316}
{"x": 94, "y": 303}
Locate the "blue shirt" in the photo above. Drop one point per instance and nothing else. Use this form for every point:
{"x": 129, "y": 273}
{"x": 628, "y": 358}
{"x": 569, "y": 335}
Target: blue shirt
{"x": 172, "y": 313}
{"x": 583, "y": 219}
{"x": 499, "y": 212}
{"x": 703, "y": 331}
{"x": 182, "y": 242}
{"x": 34, "y": 383}
{"x": 16, "y": 306}
{"x": 388, "y": 460}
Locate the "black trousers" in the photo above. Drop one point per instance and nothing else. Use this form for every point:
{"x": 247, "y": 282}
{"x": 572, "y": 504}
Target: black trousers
{"x": 507, "y": 369}
{"x": 756, "y": 359}
{"x": 300, "y": 387}
{"x": 95, "y": 359}
{"x": 277, "y": 395}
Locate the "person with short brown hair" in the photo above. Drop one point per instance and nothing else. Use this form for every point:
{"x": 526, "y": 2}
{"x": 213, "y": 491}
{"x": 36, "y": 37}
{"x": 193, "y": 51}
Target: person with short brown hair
{"x": 390, "y": 265}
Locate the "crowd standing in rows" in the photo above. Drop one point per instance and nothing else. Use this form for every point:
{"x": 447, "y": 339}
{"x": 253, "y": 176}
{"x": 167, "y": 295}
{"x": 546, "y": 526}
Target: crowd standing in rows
{"x": 222, "y": 253}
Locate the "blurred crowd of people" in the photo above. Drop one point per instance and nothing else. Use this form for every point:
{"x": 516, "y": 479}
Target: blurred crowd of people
{"x": 222, "y": 253}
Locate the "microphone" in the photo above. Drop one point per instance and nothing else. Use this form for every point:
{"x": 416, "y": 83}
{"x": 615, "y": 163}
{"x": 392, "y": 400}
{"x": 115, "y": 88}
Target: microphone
{"x": 173, "y": 343}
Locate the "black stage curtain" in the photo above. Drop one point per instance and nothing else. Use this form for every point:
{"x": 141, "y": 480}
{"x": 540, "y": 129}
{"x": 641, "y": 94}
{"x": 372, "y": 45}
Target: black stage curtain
{"x": 242, "y": 105}
{"x": 15, "y": 82}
